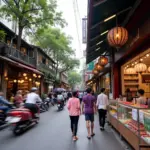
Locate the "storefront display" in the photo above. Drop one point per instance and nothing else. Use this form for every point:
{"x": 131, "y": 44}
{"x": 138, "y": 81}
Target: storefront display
{"x": 131, "y": 121}
{"x": 20, "y": 79}
{"x": 135, "y": 74}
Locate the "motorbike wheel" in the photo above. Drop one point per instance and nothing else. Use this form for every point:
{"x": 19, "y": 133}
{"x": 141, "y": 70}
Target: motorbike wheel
{"x": 17, "y": 130}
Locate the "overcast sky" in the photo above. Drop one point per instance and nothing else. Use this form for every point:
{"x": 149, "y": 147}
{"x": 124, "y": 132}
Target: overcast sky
{"x": 66, "y": 6}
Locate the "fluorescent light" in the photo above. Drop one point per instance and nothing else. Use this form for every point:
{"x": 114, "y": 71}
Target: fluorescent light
{"x": 113, "y": 16}
{"x": 104, "y": 33}
{"x": 98, "y": 49}
{"x": 99, "y": 42}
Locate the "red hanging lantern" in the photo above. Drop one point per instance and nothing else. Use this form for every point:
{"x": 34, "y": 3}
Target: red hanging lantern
{"x": 117, "y": 37}
{"x": 98, "y": 67}
{"x": 95, "y": 72}
{"x": 103, "y": 61}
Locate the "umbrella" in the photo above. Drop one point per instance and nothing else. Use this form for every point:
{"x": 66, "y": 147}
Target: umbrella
{"x": 59, "y": 90}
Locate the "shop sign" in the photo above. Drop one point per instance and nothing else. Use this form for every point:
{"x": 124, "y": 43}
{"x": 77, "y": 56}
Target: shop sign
{"x": 91, "y": 66}
{"x": 145, "y": 78}
{"x": 84, "y": 30}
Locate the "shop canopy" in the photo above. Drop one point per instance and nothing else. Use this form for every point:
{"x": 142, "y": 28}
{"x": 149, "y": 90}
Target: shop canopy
{"x": 101, "y": 18}
{"x": 20, "y": 65}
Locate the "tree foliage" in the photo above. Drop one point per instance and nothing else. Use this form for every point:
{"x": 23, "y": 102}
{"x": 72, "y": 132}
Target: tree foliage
{"x": 31, "y": 13}
{"x": 2, "y": 35}
{"x": 73, "y": 78}
{"x": 57, "y": 45}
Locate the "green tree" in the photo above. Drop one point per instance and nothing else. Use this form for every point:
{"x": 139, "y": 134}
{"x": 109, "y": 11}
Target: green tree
{"x": 2, "y": 35}
{"x": 57, "y": 45}
{"x": 30, "y": 14}
{"x": 73, "y": 78}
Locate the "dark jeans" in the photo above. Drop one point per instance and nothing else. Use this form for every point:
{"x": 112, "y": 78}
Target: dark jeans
{"x": 32, "y": 107}
{"x": 102, "y": 116}
{"x": 74, "y": 124}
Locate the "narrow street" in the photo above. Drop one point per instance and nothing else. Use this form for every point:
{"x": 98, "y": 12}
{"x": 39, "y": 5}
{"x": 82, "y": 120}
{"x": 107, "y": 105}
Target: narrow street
{"x": 53, "y": 133}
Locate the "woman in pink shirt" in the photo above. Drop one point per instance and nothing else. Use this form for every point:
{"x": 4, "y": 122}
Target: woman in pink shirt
{"x": 74, "y": 112}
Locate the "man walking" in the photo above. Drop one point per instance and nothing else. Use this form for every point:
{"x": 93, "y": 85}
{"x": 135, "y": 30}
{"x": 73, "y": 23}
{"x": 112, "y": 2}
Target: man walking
{"x": 88, "y": 108}
{"x": 102, "y": 102}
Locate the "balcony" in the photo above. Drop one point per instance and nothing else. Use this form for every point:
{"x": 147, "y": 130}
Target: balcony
{"x": 46, "y": 68}
{"x": 16, "y": 55}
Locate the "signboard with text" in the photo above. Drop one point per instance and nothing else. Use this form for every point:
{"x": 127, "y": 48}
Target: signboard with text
{"x": 84, "y": 30}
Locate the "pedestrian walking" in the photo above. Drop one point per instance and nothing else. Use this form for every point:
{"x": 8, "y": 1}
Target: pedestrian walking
{"x": 74, "y": 112}
{"x": 89, "y": 108}
{"x": 102, "y": 102}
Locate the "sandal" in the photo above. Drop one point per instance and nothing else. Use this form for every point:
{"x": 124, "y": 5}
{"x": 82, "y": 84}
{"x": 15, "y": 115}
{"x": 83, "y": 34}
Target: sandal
{"x": 89, "y": 137}
{"x": 93, "y": 134}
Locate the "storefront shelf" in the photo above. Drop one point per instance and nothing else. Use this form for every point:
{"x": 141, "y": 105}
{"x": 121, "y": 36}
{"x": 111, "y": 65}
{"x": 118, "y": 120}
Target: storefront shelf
{"x": 134, "y": 79}
{"x": 134, "y": 84}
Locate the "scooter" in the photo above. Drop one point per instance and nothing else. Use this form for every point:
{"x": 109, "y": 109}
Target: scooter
{"x": 21, "y": 119}
{"x": 60, "y": 105}
{"x": 47, "y": 102}
{"x": 42, "y": 107}
{"x": 2, "y": 117}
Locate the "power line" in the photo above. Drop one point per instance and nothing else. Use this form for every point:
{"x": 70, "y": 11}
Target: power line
{"x": 76, "y": 22}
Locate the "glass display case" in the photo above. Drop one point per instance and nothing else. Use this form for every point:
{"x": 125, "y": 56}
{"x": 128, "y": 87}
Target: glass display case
{"x": 132, "y": 121}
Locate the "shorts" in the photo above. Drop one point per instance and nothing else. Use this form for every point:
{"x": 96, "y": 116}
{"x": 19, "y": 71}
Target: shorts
{"x": 89, "y": 117}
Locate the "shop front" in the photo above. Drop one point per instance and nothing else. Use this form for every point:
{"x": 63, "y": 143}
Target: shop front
{"x": 17, "y": 76}
{"x": 135, "y": 74}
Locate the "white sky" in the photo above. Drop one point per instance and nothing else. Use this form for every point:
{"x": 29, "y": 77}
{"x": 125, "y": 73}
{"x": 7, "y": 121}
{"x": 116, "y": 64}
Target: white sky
{"x": 66, "y": 6}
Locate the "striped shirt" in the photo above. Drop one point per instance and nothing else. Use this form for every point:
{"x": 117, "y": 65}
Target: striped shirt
{"x": 74, "y": 106}
{"x": 102, "y": 101}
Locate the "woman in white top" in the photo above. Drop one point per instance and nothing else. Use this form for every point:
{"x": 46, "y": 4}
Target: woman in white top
{"x": 102, "y": 102}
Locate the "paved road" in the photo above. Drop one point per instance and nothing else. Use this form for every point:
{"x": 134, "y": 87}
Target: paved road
{"x": 53, "y": 133}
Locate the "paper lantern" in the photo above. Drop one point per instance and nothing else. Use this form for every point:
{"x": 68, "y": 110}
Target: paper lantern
{"x": 98, "y": 67}
{"x": 103, "y": 60}
{"x": 140, "y": 67}
{"x": 148, "y": 69}
{"x": 129, "y": 71}
{"x": 95, "y": 71}
{"x": 117, "y": 37}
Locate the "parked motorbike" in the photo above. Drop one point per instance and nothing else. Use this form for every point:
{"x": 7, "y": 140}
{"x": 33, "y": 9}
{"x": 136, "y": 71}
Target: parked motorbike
{"x": 21, "y": 119}
{"x": 42, "y": 107}
{"x": 60, "y": 105}
{"x": 47, "y": 102}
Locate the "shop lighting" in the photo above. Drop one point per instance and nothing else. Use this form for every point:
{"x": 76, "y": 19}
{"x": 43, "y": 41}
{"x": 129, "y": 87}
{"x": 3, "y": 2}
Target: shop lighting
{"x": 104, "y": 33}
{"x": 132, "y": 64}
{"x": 30, "y": 79}
{"x": 15, "y": 81}
{"x": 26, "y": 78}
{"x": 135, "y": 62}
{"x": 99, "y": 42}
{"x": 141, "y": 59}
{"x": 39, "y": 76}
{"x": 147, "y": 55}
{"x": 24, "y": 74}
{"x": 98, "y": 49}
{"x": 6, "y": 78}
{"x": 109, "y": 18}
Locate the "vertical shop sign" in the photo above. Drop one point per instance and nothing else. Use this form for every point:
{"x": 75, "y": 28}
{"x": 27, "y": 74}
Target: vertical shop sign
{"x": 84, "y": 30}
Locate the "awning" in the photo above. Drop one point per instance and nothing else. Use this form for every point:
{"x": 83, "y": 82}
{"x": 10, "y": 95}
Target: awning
{"x": 20, "y": 65}
{"x": 101, "y": 18}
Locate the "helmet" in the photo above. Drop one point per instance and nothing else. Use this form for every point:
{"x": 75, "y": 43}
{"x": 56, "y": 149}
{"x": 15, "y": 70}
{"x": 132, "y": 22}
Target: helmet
{"x": 34, "y": 89}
